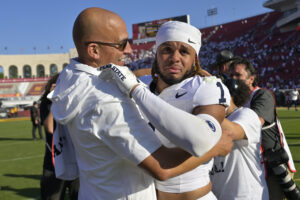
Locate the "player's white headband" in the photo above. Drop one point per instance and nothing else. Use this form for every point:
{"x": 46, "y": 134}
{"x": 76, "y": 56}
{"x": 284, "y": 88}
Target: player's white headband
{"x": 179, "y": 32}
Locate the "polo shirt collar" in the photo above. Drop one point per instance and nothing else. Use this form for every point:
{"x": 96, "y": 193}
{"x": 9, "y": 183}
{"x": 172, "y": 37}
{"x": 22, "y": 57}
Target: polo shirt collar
{"x": 83, "y": 67}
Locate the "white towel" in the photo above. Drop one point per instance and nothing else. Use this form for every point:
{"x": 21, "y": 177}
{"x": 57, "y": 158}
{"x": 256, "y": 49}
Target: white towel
{"x": 65, "y": 163}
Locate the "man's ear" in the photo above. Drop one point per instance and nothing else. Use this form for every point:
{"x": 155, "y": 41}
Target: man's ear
{"x": 251, "y": 79}
{"x": 93, "y": 51}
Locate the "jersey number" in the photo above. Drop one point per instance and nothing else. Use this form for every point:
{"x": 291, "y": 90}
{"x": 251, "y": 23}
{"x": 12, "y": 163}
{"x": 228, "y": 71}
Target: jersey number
{"x": 222, "y": 99}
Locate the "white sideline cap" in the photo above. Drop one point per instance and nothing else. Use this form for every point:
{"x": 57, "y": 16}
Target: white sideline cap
{"x": 179, "y": 32}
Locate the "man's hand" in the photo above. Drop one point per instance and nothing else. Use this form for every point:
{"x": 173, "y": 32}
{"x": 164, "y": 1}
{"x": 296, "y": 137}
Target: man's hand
{"x": 124, "y": 77}
{"x": 225, "y": 144}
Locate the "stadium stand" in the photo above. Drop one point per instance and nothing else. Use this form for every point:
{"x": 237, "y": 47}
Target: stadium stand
{"x": 17, "y": 95}
{"x": 274, "y": 54}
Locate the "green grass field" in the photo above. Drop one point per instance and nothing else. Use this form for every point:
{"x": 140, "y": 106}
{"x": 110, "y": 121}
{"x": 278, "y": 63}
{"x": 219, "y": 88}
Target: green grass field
{"x": 21, "y": 158}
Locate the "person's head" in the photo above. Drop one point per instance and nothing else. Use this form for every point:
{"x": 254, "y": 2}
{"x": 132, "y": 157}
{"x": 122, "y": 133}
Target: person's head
{"x": 177, "y": 48}
{"x": 242, "y": 69}
{"x": 238, "y": 89}
{"x": 100, "y": 37}
{"x": 49, "y": 86}
{"x": 35, "y": 104}
{"x": 223, "y": 60}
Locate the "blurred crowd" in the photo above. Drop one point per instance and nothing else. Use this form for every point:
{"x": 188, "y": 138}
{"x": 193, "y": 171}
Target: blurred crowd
{"x": 275, "y": 55}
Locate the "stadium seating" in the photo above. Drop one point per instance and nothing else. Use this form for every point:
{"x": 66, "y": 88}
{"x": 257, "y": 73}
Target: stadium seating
{"x": 20, "y": 93}
{"x": 275, "y": 55}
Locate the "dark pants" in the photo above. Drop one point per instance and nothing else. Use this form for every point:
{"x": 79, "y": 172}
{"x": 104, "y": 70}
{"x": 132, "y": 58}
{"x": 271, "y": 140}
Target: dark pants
{"x": 55, "y": 189}
{"x": 293, "y": 102}
{"x": 34, "y": 126}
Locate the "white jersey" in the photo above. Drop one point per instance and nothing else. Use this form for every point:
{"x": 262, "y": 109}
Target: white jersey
{"x": 241, "y": 174}
{"x": 294, "y": 94}
{"x": 109, "y": 139}
{"x": 186, "y": 95}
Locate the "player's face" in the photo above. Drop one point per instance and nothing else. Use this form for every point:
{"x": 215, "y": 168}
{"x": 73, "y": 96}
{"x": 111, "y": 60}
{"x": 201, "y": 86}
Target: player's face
{"x": 174, "y": 60}
{"x": 239, "y": 73}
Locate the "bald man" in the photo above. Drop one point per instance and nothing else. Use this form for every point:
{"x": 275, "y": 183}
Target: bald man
{"x": 109, "y": 135}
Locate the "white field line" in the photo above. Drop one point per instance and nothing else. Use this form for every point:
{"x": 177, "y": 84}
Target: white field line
{"x": 293, "y": 144}
{"x": 12, "y": 143}
{"x": 22, "y": 158}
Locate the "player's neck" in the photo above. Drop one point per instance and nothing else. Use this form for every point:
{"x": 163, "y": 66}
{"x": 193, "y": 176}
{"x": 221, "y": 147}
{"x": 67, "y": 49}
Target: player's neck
{"x": 231, "y": 108}
{"x": 161, "y": 85}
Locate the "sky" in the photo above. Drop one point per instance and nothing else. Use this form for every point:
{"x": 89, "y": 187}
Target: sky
{"x": 45, "y": 26}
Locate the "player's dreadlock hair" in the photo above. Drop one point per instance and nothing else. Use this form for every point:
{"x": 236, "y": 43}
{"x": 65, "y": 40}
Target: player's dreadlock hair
{"x": 52, "y": 80}
{"x": 196, "y": 70}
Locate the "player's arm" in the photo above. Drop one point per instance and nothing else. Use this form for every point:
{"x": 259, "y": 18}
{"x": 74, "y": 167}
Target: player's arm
{"x": 222, "y": 148}
{"x": 262, "y": 121}
{"x": 195, "y": 133}
{"x": 134, "y": 140}
{"x": 187, "y": 131}
{"x": 215, "y": 92}
{"x": 224, "y": 145}
{"x": 48, "y": 123}
{"x": 237, "y": 130}
{"x": 166, "y": 163}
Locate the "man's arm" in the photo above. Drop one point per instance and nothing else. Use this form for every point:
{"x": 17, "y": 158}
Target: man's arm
{"x": 222, "y": 148}
{"x": 262, "y": 121}
{"x": 166, "y": 163}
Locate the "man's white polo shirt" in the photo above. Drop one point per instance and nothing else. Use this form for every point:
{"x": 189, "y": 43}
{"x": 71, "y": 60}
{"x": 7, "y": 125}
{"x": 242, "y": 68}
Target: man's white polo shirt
{"x": 108, "y": 133}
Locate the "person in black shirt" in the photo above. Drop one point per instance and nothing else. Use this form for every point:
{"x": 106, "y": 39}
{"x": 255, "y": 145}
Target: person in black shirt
{"x": 35, "y": 119}
{"x": 51, "y": 187}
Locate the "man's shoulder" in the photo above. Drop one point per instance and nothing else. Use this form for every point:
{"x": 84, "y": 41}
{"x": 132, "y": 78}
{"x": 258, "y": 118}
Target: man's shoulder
{"x": 263, "y": 94}
{"x": 197, "y": 81}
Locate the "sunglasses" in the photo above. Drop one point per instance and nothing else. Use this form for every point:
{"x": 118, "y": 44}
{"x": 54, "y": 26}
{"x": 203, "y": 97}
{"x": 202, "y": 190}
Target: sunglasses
{"x": 118, "y": 45}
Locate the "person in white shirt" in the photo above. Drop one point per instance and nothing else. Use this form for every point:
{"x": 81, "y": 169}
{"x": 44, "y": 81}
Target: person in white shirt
{"x": 179, "y": 80}
{"x": 241, "y": 174}
{"x": 294, "y": 95}
{"x": 116, "y": 150}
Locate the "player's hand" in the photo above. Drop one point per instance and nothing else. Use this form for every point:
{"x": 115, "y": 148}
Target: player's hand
{"x": 225, "y": 144}
{"x": 124, "y": 77}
